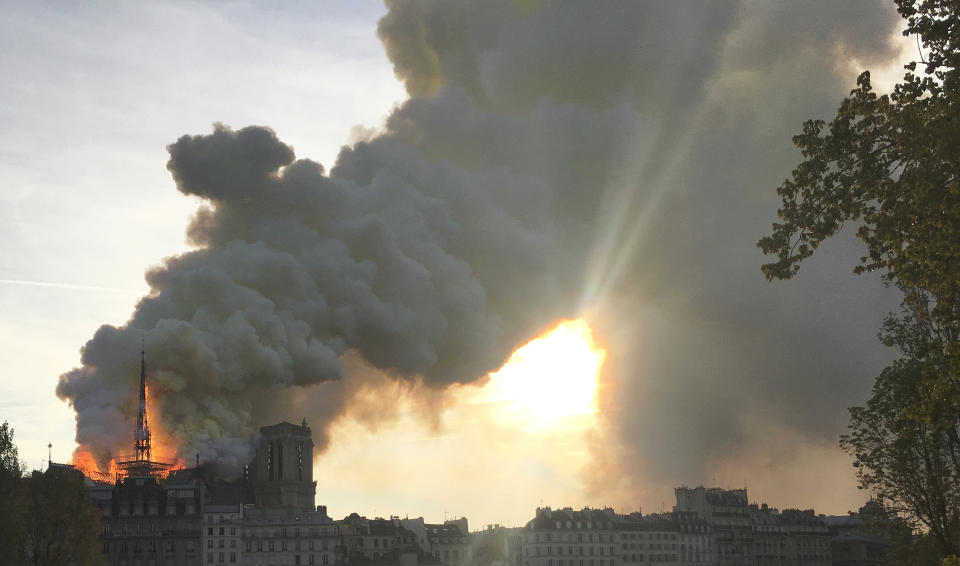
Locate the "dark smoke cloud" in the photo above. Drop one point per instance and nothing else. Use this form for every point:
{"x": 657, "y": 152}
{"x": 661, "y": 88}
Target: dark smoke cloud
{"x": 613, "y": 157}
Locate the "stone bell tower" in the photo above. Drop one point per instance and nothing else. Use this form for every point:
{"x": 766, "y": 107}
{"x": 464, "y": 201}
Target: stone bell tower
{"x": 283, "y": 468}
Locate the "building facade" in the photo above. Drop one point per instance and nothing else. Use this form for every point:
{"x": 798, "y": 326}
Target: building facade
{"x": 380, "y": 541}
{"x": 150, "y": 522}
{"x": 221, "y": 534}
{"x": 288, "y": 536}
{"x": 727, "y": 511}
{"x": 282, "y": 474}
{"x": 589, "y": 537}
{"x": 746, "y": 534}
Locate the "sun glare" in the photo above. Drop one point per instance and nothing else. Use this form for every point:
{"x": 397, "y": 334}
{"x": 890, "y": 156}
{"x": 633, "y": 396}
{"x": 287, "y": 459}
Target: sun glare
{"x": 552, "y": 376}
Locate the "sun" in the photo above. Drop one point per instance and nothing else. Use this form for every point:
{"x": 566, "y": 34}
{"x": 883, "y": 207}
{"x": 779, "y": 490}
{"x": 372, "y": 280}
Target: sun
{"x": 553, "y": 376}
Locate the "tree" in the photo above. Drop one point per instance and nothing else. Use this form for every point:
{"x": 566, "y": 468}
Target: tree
{"x": 63, "y": 525}
{"x": 906, "y": 461}
{"x": 47, "y": 518}
{"x": 891, "y": 163}
{"x": 13, "y": 507}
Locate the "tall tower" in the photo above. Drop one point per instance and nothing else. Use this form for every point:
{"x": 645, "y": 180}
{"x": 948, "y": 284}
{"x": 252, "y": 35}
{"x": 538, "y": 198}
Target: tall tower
{"x": 283, "y": 467}
{"x": 141, "y": 442}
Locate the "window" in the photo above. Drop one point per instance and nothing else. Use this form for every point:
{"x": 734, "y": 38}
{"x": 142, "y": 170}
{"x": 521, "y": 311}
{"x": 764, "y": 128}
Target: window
{"x": 270, "y": 461}
{"x": 221, "y": 531}
{"x": 280, "y": 460}
{"x": 233, "y": 557}
{"x": 210, "y": 543}
{"x": 209, "y": 530}
{"x": 325, "y": 559}
{"x": 209, "y": 557}
{"x": 220, "y": 557}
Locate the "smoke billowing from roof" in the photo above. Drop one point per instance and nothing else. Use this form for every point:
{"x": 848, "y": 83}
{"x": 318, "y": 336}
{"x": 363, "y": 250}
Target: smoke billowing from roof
{"x": 616, "y": 158}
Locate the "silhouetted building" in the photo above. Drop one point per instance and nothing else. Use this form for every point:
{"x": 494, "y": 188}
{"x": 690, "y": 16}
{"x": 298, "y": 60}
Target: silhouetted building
{"x": 381, "y": 542}
{"x": 854, "y": 543}
{"x": 282, "y": 474}
{"x": 153, "y": 522}
{"x": 496, "y": 545}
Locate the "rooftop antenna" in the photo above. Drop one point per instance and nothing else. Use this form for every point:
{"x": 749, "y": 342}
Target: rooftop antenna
{"x": 49, "y": 454}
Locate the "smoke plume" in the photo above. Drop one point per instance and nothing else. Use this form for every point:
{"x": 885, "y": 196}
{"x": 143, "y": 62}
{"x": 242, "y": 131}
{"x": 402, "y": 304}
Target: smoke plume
{"x": 553, "y": 159}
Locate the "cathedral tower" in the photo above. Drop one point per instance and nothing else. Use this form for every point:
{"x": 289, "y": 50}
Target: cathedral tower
{"x": 283, "y": 467}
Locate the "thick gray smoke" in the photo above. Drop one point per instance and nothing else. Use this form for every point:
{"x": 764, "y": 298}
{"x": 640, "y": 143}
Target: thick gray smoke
{"x": 617, "y": 158}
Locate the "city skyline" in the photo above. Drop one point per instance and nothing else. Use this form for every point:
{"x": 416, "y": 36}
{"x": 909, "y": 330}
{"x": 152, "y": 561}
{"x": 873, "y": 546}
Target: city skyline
{"x": 652, "y": 256}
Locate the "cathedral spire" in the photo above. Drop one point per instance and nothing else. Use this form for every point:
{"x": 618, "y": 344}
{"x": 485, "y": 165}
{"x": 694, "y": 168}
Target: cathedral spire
{"x": 142, "y": 434}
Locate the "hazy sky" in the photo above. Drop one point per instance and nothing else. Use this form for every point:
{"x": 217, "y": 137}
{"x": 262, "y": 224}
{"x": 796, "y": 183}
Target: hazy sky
{"x": 615, "y": 160}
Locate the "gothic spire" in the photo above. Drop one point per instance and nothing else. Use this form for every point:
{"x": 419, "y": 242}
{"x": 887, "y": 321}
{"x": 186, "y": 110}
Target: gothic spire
{"x": 142, "y": 434}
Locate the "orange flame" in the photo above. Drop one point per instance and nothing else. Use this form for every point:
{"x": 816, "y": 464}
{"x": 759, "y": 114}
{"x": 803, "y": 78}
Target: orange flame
{"x": 84, "y": 461}
{"x": 163, "y": 444}
{"x": 164, "y": 447}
